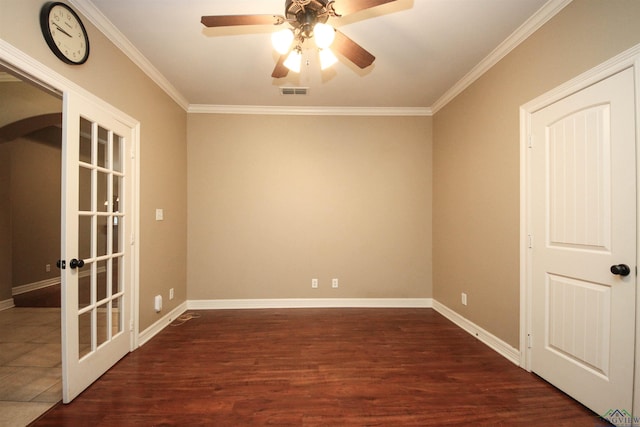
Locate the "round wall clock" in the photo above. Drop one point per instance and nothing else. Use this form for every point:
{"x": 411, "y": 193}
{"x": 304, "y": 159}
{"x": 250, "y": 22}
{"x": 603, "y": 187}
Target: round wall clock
{"x": 64, "y": 32}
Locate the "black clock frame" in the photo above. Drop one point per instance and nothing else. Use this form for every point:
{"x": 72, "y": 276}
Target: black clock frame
{"x": 46, "y": 32}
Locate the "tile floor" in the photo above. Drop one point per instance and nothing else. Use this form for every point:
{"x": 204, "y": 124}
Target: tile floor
{"x": 30, "y": 365}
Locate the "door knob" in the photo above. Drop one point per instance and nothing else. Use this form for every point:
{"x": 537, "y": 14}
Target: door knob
{"x": 620, "y": 269}
{"x": 80, "y": 263}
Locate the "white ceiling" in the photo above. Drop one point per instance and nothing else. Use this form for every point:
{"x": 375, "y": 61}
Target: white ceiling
{"x": 422, "y": 48}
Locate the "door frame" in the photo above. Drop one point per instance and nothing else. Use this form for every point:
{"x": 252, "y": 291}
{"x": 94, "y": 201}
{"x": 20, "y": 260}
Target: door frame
{"x": 628, "y": 59}
{"x": 50, "y": 80}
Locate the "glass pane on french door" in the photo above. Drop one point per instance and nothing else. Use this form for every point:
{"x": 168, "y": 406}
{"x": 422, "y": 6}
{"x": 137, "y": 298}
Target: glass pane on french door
{"x": 100, "y": 220}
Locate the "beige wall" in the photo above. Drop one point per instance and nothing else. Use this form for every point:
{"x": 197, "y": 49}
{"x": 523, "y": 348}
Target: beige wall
{"x": 476, "y": 158}
{"x": 35, "y": 206}
{"x": 19, "y": 100}
{"x": 275, "y": 201}
{"x": 110, "y": 75}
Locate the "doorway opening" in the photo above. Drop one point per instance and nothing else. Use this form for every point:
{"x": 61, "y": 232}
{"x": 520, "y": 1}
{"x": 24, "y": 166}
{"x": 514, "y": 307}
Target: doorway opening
{"x": 30, "y": 196}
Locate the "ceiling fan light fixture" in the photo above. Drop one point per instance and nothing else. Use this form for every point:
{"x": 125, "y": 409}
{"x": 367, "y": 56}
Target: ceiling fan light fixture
{"x": 324, "y": 35}
{"x": 307, "y": 19}
{"x": 294, "y": 60}
{"x": 327, "y": 58}
{"x": 282, "y": 40}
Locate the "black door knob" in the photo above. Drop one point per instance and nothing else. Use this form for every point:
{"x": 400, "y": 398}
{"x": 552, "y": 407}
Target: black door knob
{"x": 76, "y": 263}
{"x": 620, "y": 269}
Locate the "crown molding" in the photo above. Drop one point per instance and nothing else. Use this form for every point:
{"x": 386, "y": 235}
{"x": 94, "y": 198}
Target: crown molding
{"x": 531, "y": 25}
{"x": 307, "y": 111}
{"x": 106, "y": 27}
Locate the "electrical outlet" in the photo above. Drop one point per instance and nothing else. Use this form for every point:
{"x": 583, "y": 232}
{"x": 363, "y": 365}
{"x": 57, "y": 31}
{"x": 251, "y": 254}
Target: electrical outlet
{"x": 464, "y": 298}
{"x": 314, "y": 283}
{"x": 334, "y": 283}
{"x": 47, "y": 268}
{"x": 171, "y": 293}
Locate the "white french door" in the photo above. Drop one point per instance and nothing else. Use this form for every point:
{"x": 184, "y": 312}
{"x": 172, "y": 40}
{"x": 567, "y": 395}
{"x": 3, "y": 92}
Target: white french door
{"x": 97, "y": 226}
{"x": 583, "y": 210}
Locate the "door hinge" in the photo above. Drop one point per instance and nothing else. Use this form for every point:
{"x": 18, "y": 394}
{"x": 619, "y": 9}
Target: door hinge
{"x": 530, "y": 141}
{"x": 530, "y": 241}
{"x": 132, "y": 240}
{"x": 529, "y": 341}
{"x": 131, "y": 326}
{"x": 133, "y": 153}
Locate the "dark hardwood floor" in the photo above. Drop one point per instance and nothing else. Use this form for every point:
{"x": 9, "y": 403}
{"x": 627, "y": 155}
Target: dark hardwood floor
{"x": 318, "y": 367}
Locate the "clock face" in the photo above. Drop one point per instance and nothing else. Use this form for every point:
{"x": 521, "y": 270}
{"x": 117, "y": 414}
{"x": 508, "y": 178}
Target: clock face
{"x": 64, "y": 32}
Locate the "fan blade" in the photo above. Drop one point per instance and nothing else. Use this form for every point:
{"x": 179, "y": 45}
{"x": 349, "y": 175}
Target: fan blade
{"x": 280, "y": 70}
{"x": 347, "y": 7}
{"x": 352, "y": 50}
{"x": 233, "y": 20}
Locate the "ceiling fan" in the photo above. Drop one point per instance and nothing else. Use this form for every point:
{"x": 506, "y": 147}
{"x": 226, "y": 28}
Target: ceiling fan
{"x": 308, "y": 19}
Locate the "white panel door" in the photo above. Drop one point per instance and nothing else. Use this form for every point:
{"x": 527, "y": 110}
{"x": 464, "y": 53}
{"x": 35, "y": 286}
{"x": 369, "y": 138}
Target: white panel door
{"x": 96, "y": 220}
{"x": 584, "y": 233}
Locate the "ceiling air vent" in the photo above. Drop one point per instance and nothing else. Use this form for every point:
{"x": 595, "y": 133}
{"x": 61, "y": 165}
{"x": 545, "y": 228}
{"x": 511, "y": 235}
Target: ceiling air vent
{"x": 294, "y": 90}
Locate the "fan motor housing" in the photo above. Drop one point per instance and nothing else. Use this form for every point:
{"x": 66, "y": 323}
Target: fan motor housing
{"x": 304, "y": 14}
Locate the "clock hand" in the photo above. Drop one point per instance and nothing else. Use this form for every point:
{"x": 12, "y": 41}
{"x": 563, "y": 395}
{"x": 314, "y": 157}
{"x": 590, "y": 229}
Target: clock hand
{"x": 61, "y": 30}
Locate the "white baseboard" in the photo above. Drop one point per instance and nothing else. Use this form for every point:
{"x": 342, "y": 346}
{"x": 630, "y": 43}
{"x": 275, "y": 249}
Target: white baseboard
{"x": 160, "y": 324}
{"x": 6, "y": 304}
{"x": 17, "y": 290}
{"x": 223, "y": 304}
{"x": 495, "y": 343}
